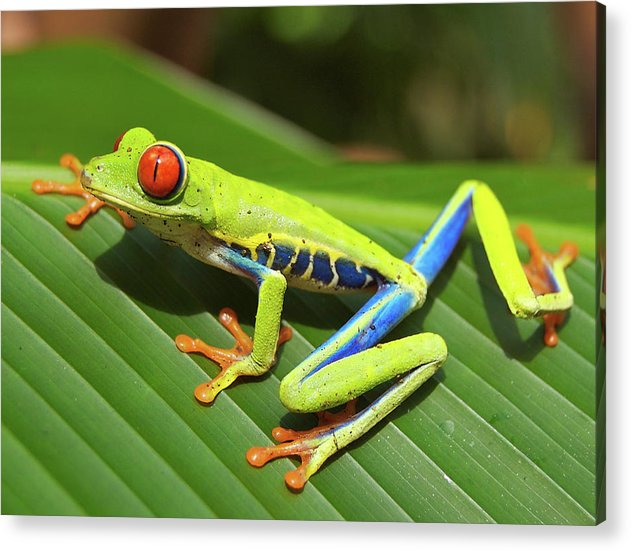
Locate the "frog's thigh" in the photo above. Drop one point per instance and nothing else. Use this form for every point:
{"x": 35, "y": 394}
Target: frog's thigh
{"x": 352, "y": 376}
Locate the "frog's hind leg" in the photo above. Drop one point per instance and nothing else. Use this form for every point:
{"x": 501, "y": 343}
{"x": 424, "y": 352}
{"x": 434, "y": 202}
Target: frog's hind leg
{"x": 345, "y": 367}
{"x": 537, "y": 289}
{"x": 413, "y": 359}
{"x": 92, "y": 204}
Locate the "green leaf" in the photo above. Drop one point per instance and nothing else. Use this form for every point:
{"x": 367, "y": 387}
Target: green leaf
{"x": 97, "y": 406}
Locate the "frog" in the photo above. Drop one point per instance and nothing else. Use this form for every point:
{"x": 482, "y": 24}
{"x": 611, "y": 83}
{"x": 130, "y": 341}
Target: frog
{"x": 279, "y": 240}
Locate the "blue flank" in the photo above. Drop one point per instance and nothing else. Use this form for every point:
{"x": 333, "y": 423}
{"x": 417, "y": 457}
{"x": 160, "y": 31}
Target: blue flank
{"x": 262, "y": 254}
{"x": 282, "y": 256}
{"x": 248, "y": 267}
{"x": 322, "y": 268}
{"x": 428, "y": 257}
{"x": 301, "y": 264}
{"x": 348, "y": 275}
{"x": 352, "y": 277}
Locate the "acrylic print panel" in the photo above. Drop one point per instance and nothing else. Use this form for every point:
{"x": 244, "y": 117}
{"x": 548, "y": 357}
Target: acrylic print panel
{"x": 376, "y": 114}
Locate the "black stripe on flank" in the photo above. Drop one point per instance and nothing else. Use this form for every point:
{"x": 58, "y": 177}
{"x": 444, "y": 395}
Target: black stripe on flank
{"x": 301, "y": 264}
{"x": 372, "y": 277}
{"x": 322, "y": 268}
{"x": 282, "y": 257}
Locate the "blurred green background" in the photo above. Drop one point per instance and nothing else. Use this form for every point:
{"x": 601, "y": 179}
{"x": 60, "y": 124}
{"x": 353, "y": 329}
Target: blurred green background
{"x": 420, "y": 82}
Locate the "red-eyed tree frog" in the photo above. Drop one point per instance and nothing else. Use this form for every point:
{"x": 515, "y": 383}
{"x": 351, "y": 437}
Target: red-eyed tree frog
{"x": 276, "y": 239}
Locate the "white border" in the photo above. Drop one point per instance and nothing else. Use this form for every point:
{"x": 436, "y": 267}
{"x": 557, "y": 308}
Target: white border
{"x": 100, "y": 534}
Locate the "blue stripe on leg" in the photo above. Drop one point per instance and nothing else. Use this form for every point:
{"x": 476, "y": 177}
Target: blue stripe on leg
{"x": 387, "y": 307}
{"x": 429, "y": 255}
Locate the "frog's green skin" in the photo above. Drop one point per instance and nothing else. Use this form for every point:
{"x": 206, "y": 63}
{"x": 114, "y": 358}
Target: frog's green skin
{"x": 277, "y": 239}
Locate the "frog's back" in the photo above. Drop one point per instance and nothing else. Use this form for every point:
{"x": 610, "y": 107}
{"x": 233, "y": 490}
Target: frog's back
{"x": 310, "y": 247}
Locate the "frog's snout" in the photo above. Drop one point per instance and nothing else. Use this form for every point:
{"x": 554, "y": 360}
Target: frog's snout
{"x": 86, "y": 179}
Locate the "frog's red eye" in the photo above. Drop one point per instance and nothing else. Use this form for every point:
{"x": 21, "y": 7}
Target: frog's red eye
{"x": 161, "y": 170}
{"x": 118, "y": 141}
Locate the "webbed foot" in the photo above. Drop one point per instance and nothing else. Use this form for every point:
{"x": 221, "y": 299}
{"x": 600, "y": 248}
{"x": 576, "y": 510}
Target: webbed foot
{"x": 541, "y": 278}
{"x": 313, "y": 446}
{"x": 92, "y": 204}
{"x": 232, "y": 361}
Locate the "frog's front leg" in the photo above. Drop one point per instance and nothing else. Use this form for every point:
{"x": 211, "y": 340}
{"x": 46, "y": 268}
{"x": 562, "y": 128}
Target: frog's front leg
{"x": 92, "y": 204}
{"x": 249, "y": 356}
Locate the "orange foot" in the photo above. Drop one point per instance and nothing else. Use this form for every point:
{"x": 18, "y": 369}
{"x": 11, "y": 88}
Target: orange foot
{"x": 92, "y": 204}
{"x": 313, "y": 446}
{"x": 206, "y": 392}
{"x": 538, "y": 274}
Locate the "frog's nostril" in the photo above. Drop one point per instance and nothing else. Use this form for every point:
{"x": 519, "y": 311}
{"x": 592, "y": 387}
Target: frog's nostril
{"x": 99, "y": 168}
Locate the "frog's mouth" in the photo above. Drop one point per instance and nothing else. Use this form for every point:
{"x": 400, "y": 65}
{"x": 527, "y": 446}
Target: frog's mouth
{"x": 86, "y": 183}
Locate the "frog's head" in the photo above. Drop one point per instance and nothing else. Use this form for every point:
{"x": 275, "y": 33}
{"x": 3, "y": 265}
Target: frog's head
{"x": 146, "y": 178}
